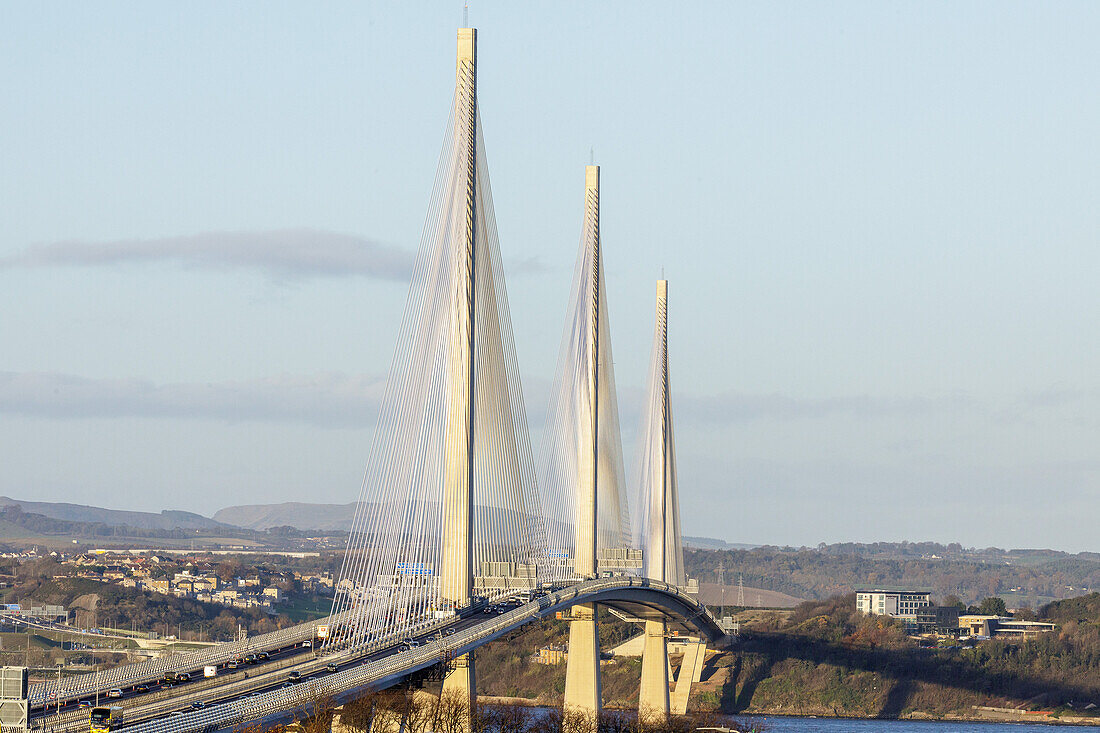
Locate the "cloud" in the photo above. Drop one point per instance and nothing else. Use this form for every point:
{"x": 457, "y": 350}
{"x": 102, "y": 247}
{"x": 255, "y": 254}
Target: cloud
{"x": 340, "y": 400}
{"x": 736, "y": 407}
{"x": 281, "y": 253}
{"x": 327, "y": 400}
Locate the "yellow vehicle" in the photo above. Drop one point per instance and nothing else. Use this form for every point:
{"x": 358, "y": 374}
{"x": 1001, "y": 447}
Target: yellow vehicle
{"x": 106, "y": 719}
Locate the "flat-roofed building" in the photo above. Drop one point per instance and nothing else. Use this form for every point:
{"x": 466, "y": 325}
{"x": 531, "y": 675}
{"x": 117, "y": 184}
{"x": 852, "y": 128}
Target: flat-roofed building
{"x": 1001, "y": 627}
{"x": 898, "y": 603}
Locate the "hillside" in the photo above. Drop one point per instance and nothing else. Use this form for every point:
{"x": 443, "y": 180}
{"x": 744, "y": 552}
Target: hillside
{"x": 713, "y": 594}
{"x": 1022, "y": 577}
{"x": 292, "y": 513}
{"x": 166, "y": 520}
{"x": 710, "y": 543}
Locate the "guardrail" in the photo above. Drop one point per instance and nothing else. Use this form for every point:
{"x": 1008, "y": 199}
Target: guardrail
{"x": 345, "y": 684}
{"x": 128, "y": 675}
{"x": 64, "y": 719}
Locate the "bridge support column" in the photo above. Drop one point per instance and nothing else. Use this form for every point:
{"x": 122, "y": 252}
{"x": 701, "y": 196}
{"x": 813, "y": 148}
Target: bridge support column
{"x": 582, "y": 668}
{"x": 460, "y": 685}
{"x": 691, "y": 670}
{"x": 653, "y": 695}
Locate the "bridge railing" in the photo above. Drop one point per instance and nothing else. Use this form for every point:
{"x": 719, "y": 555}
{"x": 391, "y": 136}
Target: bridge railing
{"x": 128, "y": 675}
{"x": 298, "y": 698}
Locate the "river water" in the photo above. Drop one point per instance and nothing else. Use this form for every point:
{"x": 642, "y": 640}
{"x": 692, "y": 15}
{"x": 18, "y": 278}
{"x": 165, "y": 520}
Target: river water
{"x": 834, "y": 725}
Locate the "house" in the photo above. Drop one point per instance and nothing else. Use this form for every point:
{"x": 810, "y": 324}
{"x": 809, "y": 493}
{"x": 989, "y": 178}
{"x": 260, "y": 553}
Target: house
{"x": 552, "y": 654}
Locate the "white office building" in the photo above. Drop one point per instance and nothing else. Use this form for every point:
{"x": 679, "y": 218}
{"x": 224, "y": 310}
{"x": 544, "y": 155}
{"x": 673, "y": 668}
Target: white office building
{"x": 903, "y": 603}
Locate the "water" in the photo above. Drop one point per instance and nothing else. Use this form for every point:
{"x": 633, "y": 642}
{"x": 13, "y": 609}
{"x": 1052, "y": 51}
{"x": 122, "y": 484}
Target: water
{"x": 775, "y": 724}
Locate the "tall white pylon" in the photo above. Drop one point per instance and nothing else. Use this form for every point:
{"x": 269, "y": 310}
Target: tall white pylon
{"x": 449, "y": 495}
{"x": 581, "y": 472}
{"x": 659, "y": 497}
{"x": 457, "y": 573}
{"x": 662, "y": 552}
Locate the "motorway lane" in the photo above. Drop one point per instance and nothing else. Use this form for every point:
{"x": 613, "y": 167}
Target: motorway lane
{"x": 131, "y": 692}
{"x": 310, "y": 667}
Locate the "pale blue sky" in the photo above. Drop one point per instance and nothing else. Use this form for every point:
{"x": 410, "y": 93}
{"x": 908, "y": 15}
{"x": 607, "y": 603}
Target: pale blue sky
{"x": 879, "y": 222}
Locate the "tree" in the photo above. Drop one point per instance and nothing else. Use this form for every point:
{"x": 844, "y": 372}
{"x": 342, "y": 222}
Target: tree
{"x": 993, "y": 606}
{"x": 954, "y": 600}
{"x": 229, "y": 569}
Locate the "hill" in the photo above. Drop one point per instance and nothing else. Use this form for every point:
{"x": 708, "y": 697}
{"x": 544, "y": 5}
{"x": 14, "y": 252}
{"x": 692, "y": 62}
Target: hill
{"x": 292, "y": 513}
{"x": 166, "y": 520}
{"x": 1028, "y": 578}
{"x": 713, "y": 594}
{"x": 710, "y": 543}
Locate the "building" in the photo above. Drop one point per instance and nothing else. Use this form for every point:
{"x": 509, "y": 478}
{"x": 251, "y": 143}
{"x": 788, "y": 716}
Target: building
{"x": 1021, "y": 629}
{"x": 552, "y": 654}
{"x": 936, "y": 620}
{"x": 1001, "y": 627}
{"x": 897, "y": 603}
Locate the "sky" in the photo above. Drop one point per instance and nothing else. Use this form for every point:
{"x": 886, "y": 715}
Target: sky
{"x": 879, "y": 224}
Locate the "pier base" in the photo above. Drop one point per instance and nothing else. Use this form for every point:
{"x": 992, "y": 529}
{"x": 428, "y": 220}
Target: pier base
{"x": 653, "y": 694}
{"x": 582, "y": 669}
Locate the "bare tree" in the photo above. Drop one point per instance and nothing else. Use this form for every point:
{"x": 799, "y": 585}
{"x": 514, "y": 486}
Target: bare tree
{"x": 453, "y": 714}
{"x": 359, "y": 713}
{"x": 317, "y": 710}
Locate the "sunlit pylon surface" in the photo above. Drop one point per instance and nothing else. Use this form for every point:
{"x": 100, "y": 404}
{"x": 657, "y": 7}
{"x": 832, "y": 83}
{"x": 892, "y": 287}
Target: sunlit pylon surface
{"x": 582, "y": 447}
{"x": 448, "y": 508}
{"x": 658, "y": 494}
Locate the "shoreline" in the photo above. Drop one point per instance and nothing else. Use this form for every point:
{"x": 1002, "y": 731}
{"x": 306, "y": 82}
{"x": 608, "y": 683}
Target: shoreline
{"x": 991, "y": 715}
{"x": 984, "y": 714}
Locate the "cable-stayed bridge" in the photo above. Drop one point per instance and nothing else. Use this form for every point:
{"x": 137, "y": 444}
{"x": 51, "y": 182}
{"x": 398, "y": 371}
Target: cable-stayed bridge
{"x": 456, "y": 518}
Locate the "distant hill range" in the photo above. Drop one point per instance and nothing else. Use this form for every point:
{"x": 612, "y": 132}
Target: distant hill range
{"x": 328, "y": 517}
{"x": 709, "y": 543}
{"x": 257, "y": 517}
{"x": 166, "y": 520}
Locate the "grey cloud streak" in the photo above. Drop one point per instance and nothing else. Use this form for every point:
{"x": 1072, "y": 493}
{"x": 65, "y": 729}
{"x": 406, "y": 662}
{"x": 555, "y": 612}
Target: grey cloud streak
{"x": 327, "y": 400}
{"x": 340, "y": 400}
{"x": 736, "y": 407}
{"x": 281, "y": 253}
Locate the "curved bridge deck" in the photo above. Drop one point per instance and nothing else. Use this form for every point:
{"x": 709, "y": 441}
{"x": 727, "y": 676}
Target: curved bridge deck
{"x": 363, "y": 670}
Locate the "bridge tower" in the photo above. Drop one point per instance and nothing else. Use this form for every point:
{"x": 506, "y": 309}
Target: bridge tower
{"x": 660, "y": 506}
{"x": 582, "y": 674}
{"x": 456, "y": 564}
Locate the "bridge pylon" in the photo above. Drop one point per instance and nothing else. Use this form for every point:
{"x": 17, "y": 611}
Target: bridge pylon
{"x": 663, "y": 554}
{"x": 582, "y": 673}
{"x": 449, "y": 510}
{"x": 456, "y": 564}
